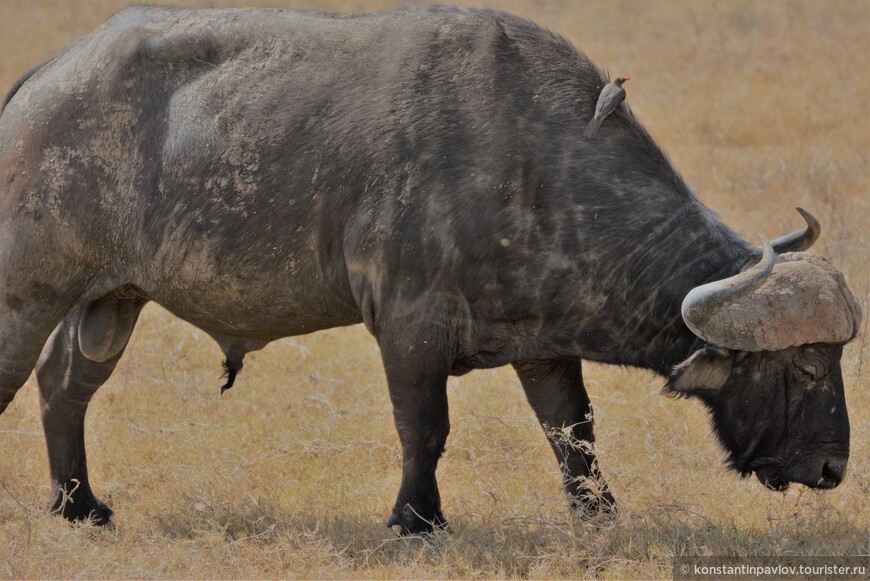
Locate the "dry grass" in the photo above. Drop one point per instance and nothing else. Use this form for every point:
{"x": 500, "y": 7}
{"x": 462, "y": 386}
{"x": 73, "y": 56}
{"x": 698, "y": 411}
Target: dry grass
{"x": 763, "y": 106}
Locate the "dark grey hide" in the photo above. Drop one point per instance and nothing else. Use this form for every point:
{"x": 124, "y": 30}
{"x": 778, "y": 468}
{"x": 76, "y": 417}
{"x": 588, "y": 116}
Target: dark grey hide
{"x": 262, "y": 174}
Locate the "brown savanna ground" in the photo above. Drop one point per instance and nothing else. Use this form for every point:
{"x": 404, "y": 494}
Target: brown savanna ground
{"x": 762, "y": 106}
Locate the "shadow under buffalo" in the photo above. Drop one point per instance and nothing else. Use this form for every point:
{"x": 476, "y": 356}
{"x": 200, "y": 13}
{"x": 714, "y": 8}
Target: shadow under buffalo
{"x": 516, "y": 545}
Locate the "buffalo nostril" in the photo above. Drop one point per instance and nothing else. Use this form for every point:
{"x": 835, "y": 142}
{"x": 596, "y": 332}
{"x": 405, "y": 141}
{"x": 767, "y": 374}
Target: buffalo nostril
{"x": 834, "y": 471}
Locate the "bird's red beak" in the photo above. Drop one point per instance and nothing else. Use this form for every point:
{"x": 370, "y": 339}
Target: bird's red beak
{"x": 627, "y": 78}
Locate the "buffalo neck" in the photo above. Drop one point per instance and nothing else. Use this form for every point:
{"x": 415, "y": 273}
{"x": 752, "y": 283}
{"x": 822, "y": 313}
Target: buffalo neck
{"x": 642, "y": 244}
{"x": 654, "y": 276}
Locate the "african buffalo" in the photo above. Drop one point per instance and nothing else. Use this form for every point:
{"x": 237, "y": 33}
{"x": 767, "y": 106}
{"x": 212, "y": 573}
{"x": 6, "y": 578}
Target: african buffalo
{"x": 262, "y": 174}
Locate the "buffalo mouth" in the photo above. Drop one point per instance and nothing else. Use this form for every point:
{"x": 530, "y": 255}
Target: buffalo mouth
{"x": 780, "y": 483}
{"x": 772, "y": 480}
{"x": 769, "y": 472}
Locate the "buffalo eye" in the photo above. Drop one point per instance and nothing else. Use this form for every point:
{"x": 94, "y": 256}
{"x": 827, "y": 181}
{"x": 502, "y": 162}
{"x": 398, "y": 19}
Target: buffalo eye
{"x": 811, "y": 370}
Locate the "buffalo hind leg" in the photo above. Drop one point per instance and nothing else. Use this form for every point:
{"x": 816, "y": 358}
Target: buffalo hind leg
{"x": 67, "y": 379}
{"x": 22, "y": 337}
{"x": 555, "y": 391}
{"x": 417, "y": 378}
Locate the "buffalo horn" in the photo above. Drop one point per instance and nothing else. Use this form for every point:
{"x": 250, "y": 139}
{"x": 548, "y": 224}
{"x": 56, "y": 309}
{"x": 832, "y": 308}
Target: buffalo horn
{"x": 703, "y": 302}
{"x": 800, "y": 240}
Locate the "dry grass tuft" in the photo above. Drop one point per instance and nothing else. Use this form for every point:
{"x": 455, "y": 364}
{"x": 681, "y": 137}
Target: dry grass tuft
{"x": 762, "y": 105}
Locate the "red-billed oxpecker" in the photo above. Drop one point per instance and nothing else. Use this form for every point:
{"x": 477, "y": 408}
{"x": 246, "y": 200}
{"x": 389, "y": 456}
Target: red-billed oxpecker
{"x": 611, "y": 96}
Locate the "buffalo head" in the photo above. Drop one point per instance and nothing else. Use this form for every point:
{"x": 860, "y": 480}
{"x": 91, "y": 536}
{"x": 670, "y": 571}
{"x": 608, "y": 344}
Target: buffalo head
{"x": 770, "y": 372}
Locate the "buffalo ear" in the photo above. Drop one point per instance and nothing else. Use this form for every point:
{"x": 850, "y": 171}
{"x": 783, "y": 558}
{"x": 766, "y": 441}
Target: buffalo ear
{"x": 702, "y": 374}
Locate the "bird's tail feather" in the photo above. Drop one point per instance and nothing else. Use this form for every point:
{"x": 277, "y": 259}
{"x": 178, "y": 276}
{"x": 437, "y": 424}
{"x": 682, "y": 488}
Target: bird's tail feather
{"x": 592, "y": 128}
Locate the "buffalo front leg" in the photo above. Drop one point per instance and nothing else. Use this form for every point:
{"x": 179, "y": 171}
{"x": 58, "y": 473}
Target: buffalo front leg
{"x": 67, "y": 379}
{"x": 417, "y": 379}
{"x": 555, "y": 391}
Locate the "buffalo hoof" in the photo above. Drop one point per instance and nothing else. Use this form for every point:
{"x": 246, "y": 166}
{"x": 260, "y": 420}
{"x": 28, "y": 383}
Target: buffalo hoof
{"x": 83, "y": 509}
{"x": 410, "y": 522}
{"x": 590, "y": 507}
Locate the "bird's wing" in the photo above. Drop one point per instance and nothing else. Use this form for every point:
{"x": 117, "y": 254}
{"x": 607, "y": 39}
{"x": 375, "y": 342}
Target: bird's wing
{"x": 602, "y": 99}
{"x": 610, "y": 99}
